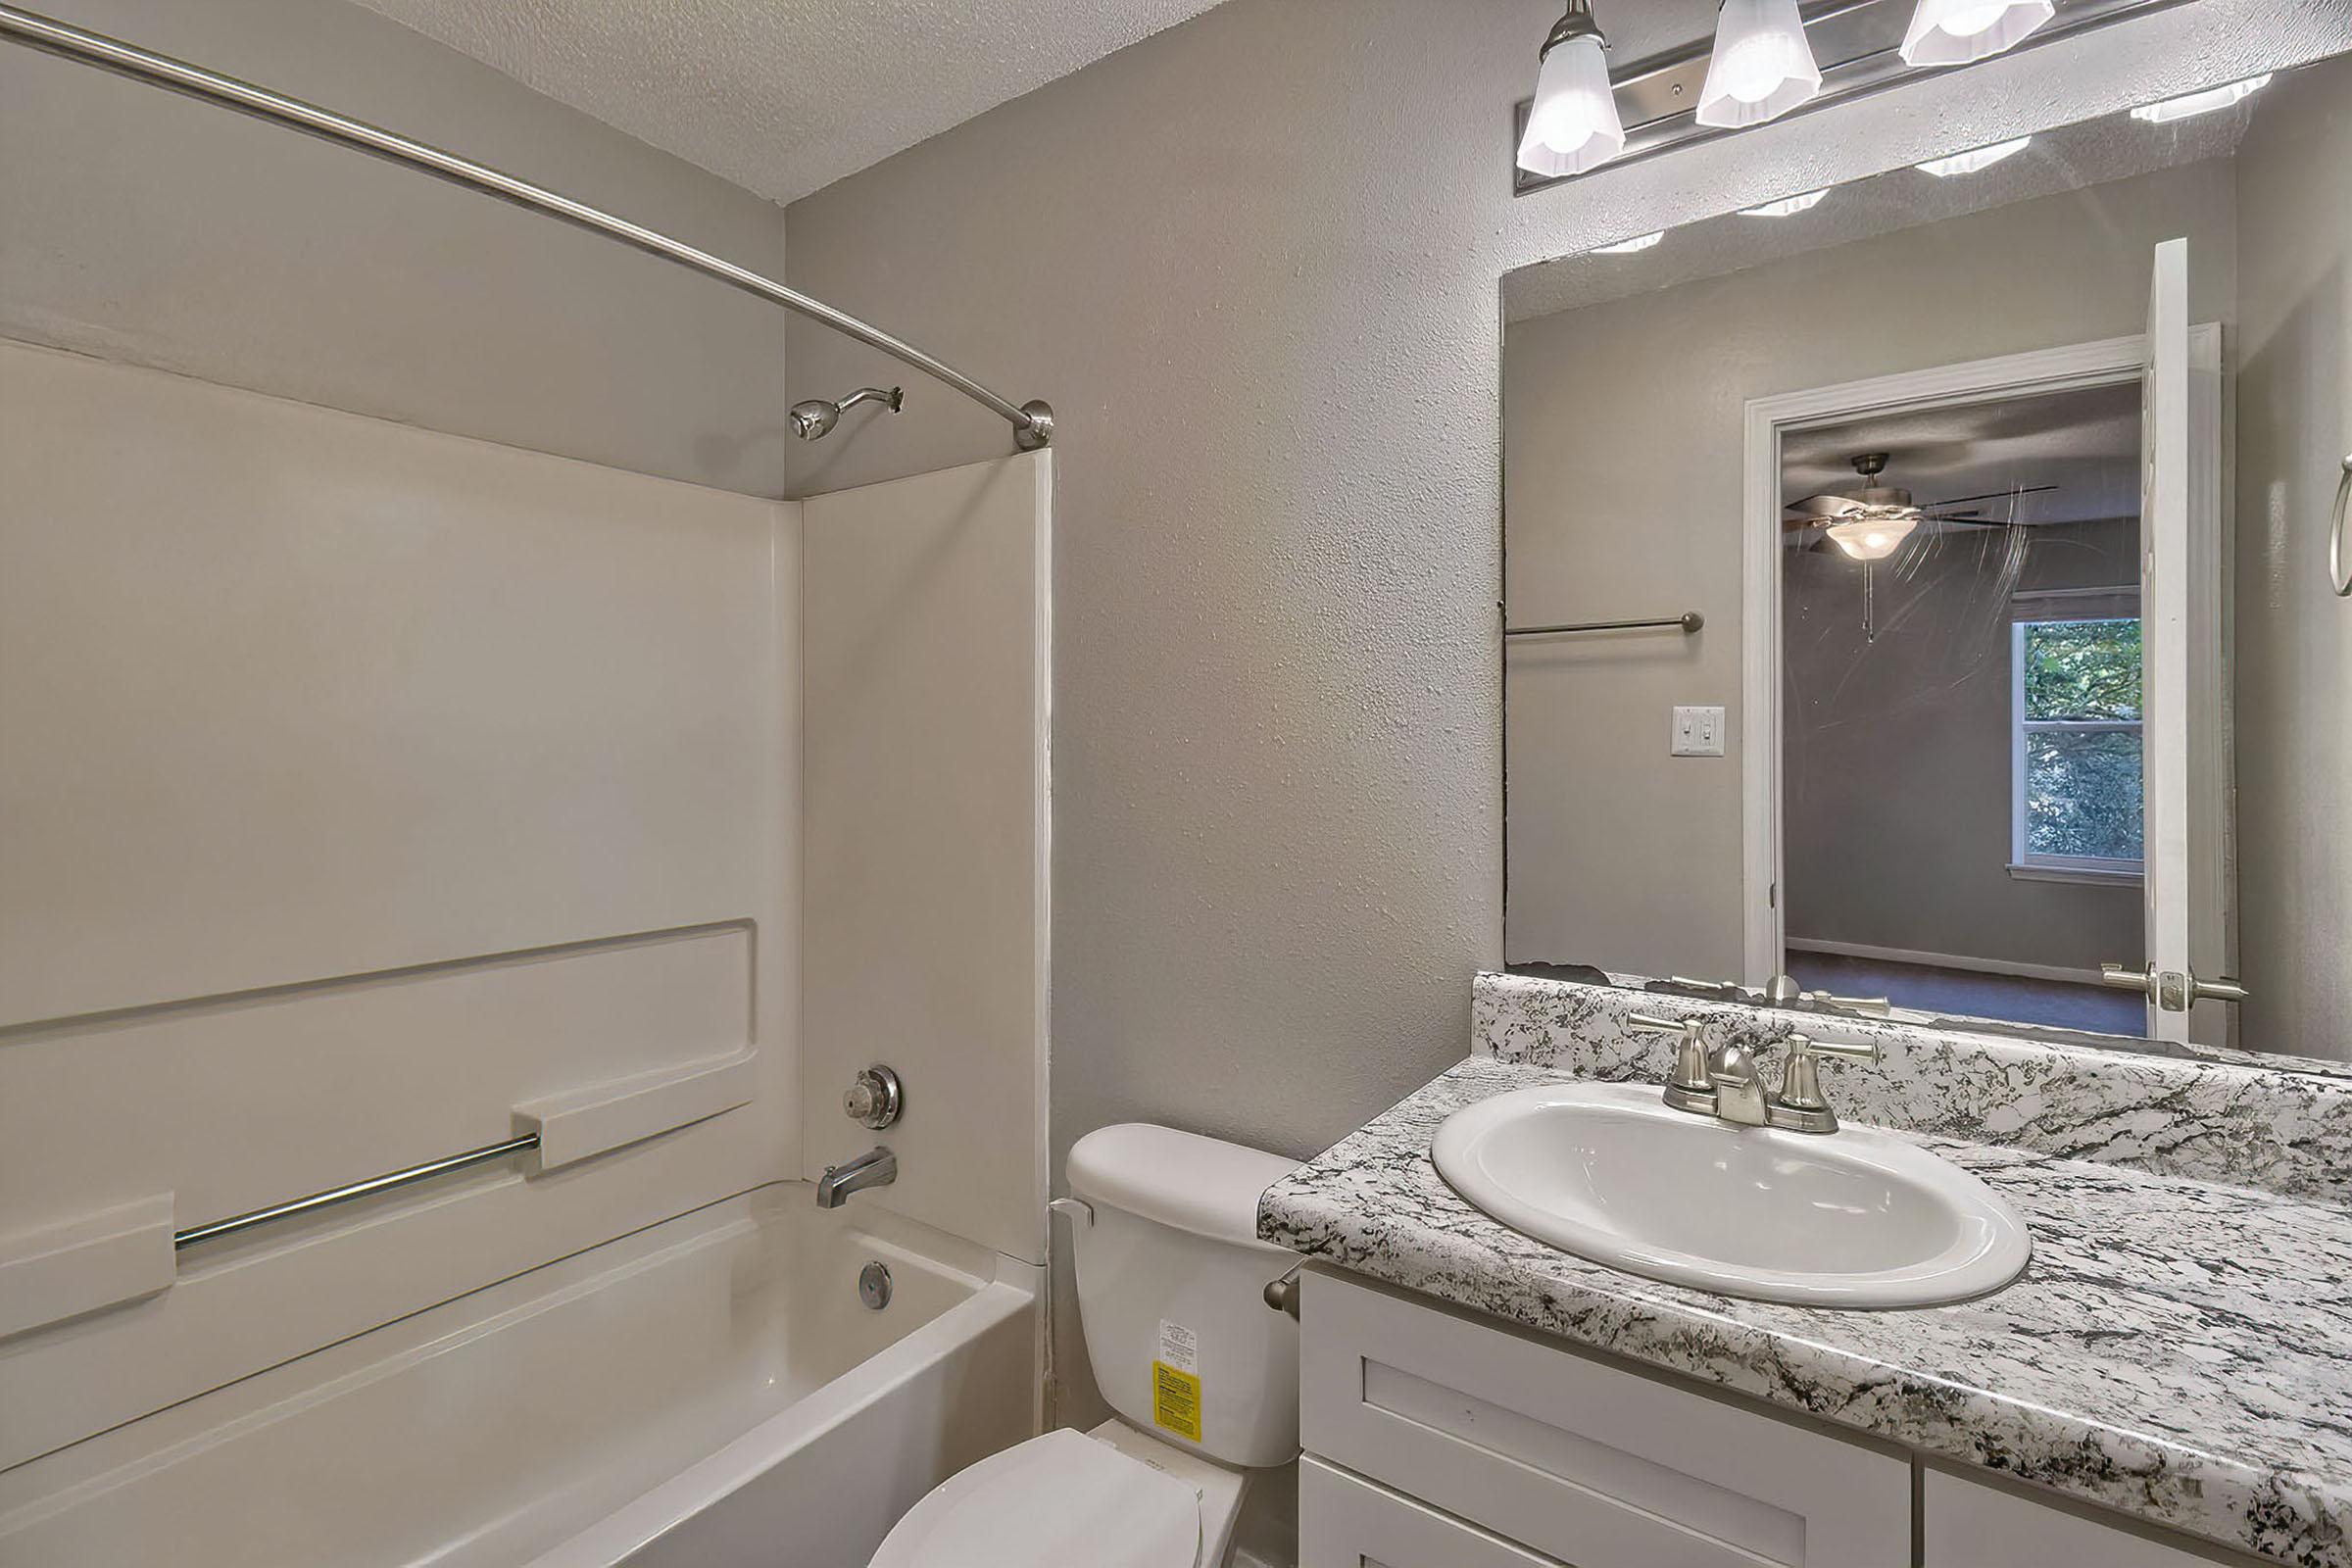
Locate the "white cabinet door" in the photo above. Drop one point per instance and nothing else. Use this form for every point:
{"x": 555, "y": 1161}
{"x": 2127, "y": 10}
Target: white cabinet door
{"x": 1346, "y": 1522}
{"x": 1587, "y": 1460}
{"x": 1969, "y": 1525}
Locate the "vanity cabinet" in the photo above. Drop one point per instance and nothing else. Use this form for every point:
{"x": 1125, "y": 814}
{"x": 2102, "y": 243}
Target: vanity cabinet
{"x": 1572, "y": 1458}
{"x": 1967, "y": 1524}
{"x": 1346, "y": 1522}
{"x": 1437, "y": 1439}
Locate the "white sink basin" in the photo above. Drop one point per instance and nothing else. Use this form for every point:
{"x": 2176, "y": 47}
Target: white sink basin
{"x": 1853, "y": 1218}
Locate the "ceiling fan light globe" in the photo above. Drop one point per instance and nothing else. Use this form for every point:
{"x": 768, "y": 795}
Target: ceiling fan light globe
{"x": 1762, "y": 65}
{"x": 1872, "y": 538}
{"x": 1953, "y": 32}
{"x": 1574, "y": 124}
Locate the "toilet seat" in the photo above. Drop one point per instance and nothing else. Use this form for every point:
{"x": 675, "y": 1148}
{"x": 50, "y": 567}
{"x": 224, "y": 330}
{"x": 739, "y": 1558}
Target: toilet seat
{"x": 1062, "y": 1498}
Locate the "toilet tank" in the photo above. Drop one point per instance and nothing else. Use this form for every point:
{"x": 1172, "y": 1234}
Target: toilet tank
{"x": 1171, "y": 1292}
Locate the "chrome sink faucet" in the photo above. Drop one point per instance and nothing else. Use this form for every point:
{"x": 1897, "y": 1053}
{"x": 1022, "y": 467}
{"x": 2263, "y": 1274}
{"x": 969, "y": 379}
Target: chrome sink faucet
{"x": 1726, "y": 1081}
{"x": 877, "y": 1167}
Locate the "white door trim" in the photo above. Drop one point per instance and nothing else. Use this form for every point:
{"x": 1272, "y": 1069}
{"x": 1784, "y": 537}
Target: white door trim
{"x": 2083, "y": 364}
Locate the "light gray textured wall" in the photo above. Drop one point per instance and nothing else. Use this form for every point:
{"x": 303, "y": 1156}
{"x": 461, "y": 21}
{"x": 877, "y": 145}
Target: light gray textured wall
{"x": 2294, "y": 639}
{"x": 1895, "y": 769}
{"x": 1625, "y": 427}
{"x": 143, "y": 226}
{"x": 1254, "y": 262}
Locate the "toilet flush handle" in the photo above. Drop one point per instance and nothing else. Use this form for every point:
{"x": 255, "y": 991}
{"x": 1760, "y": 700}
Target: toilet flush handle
{"x": 1282, "y": 1294}
{"x": 1079, "y": 1213}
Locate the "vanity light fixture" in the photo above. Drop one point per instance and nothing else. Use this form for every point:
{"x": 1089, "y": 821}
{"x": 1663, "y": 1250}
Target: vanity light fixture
{"x": 1953, "y": 32}
{"x": 1786, "y": 206}
{"x": 1627, "y": 247}
{"x": 1975, "y": 158}
{"x": 1574, "y": 124}
{"x": 1762, "y": 65}
{"x": 1872, "y": 538}
{"x": 2201, "y": 103}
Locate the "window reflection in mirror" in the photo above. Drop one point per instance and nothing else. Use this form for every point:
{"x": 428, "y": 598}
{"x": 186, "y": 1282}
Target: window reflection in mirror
{"x": 1913, "y": 452}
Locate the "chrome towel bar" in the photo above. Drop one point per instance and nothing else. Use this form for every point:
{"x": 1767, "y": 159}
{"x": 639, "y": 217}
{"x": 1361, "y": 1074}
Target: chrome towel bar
{"x": 2339, "y": 572}
{"x": 344, "y": 1194}
{"x": 1032, "y": 423}
{"x": 1689, "y": 620}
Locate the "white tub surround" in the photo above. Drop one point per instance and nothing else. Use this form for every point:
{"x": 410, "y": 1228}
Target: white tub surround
{"x": 400, "y": 891}
{"x": 2179, "y": 1350}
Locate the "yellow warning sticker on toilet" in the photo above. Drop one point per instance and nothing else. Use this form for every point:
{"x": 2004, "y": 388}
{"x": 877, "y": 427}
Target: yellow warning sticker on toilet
{"x": 1176, "y": 1401}
{"x": 1176, "y": 1382}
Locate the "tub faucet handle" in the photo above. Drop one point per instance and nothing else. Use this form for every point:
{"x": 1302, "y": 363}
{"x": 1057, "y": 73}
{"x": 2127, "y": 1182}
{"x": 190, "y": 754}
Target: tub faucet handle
{"x": 874, "y": 1098}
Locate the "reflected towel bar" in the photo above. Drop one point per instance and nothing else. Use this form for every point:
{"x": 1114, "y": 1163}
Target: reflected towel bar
{"x": 344, "y": 1194}
{"x": 1689, "y": 620}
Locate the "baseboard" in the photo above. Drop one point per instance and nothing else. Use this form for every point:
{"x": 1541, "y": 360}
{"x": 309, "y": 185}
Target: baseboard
{"x": 1943, "y": 961}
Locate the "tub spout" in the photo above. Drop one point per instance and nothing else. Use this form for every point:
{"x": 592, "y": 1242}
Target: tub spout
{"x": 877, "y": 1167}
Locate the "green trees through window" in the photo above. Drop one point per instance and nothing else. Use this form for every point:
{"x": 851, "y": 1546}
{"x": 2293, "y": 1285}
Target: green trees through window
{"x": 2080, "y": 763}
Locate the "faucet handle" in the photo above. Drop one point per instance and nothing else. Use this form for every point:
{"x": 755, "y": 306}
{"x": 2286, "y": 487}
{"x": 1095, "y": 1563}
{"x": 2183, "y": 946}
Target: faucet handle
{"x": 1882, "y": 1006}
{"x": 1690, "y": 1081}
{"x": 1784, "y": 990}
{"x": 1800, "y": 1079}
{"x": 1859, "y": 1050}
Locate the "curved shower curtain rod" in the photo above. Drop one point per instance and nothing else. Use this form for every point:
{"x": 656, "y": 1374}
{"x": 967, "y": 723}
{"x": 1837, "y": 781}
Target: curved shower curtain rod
{"x": 1032, "y": 423}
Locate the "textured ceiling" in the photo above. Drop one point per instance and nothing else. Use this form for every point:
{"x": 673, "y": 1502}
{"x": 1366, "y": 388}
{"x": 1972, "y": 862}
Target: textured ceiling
{"x": 785, "y": 96}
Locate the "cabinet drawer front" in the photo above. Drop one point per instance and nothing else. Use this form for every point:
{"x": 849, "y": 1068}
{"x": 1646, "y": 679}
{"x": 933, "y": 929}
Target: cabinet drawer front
{"x": 1968, "y": 1525}
{"x": 1346, "y": 1522}
{"x": 1598, "y": 1466}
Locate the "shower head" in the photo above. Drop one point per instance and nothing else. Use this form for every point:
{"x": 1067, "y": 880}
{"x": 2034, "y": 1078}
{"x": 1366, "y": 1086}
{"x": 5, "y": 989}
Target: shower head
{"x": 816, "y": 416}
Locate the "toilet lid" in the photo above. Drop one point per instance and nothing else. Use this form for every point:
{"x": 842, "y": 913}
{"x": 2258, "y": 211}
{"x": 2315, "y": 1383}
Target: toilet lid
{"x": 1059, "y": 1498}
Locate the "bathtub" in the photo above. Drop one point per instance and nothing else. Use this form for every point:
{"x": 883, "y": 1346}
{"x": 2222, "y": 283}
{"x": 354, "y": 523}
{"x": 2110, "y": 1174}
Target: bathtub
{"x": 708, "y": 1391}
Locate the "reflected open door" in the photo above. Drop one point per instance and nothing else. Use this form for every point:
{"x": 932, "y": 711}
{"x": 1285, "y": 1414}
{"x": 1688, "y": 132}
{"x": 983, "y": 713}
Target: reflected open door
{"x": 2163, "y": 633}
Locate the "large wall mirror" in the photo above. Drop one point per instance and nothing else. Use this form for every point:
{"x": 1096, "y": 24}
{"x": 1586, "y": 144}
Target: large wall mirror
{"x": 1972, "y": 523}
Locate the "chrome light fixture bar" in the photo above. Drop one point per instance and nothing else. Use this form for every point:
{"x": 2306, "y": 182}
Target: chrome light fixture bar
{"x": 1858, "y": 45}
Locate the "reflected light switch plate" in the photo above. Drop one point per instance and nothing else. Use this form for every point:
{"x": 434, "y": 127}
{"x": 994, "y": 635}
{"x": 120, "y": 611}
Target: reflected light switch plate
{"x": 1699, "y": 732}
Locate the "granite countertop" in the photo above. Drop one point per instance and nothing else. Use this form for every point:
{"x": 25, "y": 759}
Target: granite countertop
{"x": 2178, "y": 1349}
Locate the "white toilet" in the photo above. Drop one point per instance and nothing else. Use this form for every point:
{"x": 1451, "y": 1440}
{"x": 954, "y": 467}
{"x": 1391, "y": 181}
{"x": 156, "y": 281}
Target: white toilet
{"x": 1203, "y": 1373}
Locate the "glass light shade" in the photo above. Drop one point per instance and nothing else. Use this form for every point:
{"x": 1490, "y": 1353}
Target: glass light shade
{"x": 1872, "y": 538}
{"x": 1762, "y": 65}
{"x": 1786, "y": 206}
{"x": 1574, "y": 124}
{"x": 1627, "y": 247}
{"x": 1975, "y": 158}
{"x": 2201, "y": 103}
{"x": 1952, "y": 33}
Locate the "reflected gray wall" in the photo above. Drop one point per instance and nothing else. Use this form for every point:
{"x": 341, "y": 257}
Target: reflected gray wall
{"x": 144, "y": 226}
{"x": 1895, "y": 767}
{"x": 2294, "y": 638}
{"x": 1624, "y": 424}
